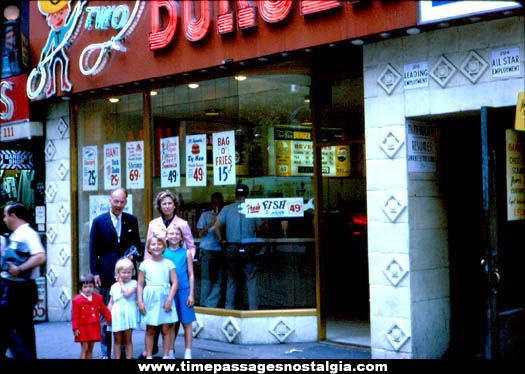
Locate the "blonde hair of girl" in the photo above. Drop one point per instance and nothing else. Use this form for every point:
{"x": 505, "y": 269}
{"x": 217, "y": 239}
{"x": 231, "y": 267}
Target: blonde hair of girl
{"x": 124, "y": 263}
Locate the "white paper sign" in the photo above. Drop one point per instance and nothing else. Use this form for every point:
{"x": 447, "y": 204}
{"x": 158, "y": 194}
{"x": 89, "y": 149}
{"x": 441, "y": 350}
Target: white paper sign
{"x": 196, "y": 160}
{"x": 415, "y": 75}
{"x": 224, "y": 158}
{"x": 169, "y": 162}
{"x": 99, "y": 204}
{"x": 505, "y": 63}
{"x": 90, "y": 168}
{"x": 40, "y": 214}
{"x": 135, "y": 164}
{"x": 112, "y": 166}
{"x": 421, "y": 148}
{"x": 515, "y": 155}
{"x": 288, "y": 207}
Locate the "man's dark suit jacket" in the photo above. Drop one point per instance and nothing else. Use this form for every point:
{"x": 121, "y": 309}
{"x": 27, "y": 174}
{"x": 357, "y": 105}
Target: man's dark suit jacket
{"x": 104, "y": 248}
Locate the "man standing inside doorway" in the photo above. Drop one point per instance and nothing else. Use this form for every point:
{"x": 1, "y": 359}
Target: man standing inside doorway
{"x": 112, "y": 235}
{"x": 240, "y": 243}
{"x": 20, "y": 267}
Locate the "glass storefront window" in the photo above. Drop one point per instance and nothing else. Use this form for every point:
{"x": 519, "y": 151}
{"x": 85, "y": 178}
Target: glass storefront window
{"x": 110, "y": 125}
{"x": 268, "y": 111}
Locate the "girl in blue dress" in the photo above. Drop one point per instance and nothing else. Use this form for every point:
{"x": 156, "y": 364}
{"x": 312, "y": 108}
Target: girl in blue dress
{"x": 123, "y": 306}
{"x": 184, "y": 298}
{"x": 155, "y": 298}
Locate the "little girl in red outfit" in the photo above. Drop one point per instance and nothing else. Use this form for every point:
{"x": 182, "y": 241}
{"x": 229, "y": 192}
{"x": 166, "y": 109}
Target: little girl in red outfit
{"x": 87, "y": 308}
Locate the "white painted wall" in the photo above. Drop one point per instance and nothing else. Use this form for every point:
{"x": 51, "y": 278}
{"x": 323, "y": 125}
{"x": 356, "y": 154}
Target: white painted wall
{"x": 410, "y": 317}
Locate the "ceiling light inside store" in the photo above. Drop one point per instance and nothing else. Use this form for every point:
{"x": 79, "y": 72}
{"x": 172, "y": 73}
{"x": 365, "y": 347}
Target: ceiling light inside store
{"x": 153, "y": 93}
{"x": 443, "y": 24}
{"x": 357, "y": 42}
{"x": 385, "y": 35}
{"x": 240, "y": 77}
{"x": 475, "y": 19}
{"x": 413, "y": 31}
{"x": 114, "y": 100}
{"x": 193, "y": 85}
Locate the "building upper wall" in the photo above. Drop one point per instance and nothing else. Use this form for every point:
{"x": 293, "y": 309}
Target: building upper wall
{"x": 138, "y": 62}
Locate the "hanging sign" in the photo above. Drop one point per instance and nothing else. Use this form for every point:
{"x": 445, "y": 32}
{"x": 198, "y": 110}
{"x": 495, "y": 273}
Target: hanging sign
{"x": 135, "y": 164}
{"x": 169, "y": 162}
{"x": 112, "y": 166}
{"x": 421, "y": 148}
{"x": 224, "y": 158}
{"x": 90, "y": 168}
{"x": 515, "y": 160}
{"x": 14, "y": 104}
{"x": 16, "y": 160}
{"x": 505, "y": 63}
{"x": 283, "y": 207}
{"x": 196, "y": 160}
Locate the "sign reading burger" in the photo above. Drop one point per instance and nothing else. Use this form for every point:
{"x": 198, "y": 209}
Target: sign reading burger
{"x": 196, "y": 160}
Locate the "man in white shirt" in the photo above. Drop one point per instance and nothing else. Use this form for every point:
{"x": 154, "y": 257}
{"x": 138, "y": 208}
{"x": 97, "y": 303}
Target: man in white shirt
{"x": 20, "y": 266}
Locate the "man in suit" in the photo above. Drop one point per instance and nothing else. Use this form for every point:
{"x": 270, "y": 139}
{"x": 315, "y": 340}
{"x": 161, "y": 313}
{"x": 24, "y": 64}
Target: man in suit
{"x": 112, "y": 234}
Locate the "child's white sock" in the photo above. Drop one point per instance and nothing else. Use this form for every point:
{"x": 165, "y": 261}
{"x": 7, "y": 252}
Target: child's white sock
{"x": 149, "y": 358}
{"x": 165, "y": 357}
{"x": 187, "y": 354}
{"x": 172, "y": 353}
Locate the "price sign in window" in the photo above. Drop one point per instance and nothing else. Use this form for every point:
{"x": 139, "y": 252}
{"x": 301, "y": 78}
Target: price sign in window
{"x": 169, "y": 162}
{"x": 196, "y": 160}
{"x": 90, "y": 168}
{"x": 224, "y": 158}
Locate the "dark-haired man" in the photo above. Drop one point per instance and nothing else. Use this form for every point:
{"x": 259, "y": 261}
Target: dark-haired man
{"x": 20, "y": 266}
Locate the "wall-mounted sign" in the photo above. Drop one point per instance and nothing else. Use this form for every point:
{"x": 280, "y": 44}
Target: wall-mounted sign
{"x": 505, "y": 63}
{"x": 135, "y": 164}
{"x": 112, "y": 166}
{"x": 435, "y": 11}
{"x": 24, "y": 130}
{"x": 196, "y": 160}
{"x": 169, "y": 162}
{"x": 415, "y": 75}
{"x": 90, "y": 168}
{"x": 224, "y": 171}
{"x": 519, "y": 122}
{"x": 62, "y": 21}
{"x": 421, "y": 148}
{"x": 16, "y": 160}
{"x": 515, "y": 160}
{"x": 287, "y": 207}
{"x": 14, "y": 105}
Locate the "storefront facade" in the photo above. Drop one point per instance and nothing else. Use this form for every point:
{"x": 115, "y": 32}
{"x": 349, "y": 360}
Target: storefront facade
{"x": 307, "y": 116}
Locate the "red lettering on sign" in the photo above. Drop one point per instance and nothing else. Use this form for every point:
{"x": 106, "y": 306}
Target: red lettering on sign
{"x": 314, "y": 6}
{"x": 196, "y": 29}
{"x": 275, "y": 11}
{"x": 160, "y": 38}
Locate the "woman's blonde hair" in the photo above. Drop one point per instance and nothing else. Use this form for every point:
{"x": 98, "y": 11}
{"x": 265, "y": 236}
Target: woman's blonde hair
{"x": 124, "y": 263}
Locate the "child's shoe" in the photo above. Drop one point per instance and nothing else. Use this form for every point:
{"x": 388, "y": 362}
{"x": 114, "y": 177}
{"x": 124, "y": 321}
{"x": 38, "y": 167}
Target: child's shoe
{"x": 187, "y": 354}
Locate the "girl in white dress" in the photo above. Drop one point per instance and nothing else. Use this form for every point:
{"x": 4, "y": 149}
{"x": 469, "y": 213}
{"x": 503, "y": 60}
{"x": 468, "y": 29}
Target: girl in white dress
{"x": 123, "y": 306}
{"x": 155, "y": 298}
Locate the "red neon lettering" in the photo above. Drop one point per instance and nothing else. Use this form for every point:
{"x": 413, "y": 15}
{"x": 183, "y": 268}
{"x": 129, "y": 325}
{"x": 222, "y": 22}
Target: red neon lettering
{"x": 246, "y": 15}
{"x": 160, "y": 38}
{"x": 194, "y": 29}
{"x": 274, "y": 11}
{"x": 314, "y": 6}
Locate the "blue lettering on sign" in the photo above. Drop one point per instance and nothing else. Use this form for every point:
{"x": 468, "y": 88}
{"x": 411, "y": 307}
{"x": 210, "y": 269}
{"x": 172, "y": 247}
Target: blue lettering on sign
{"x": 105, "y": 16}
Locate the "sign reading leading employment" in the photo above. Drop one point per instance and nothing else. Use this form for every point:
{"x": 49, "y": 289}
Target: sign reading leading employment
{"x": 284, "y": 207}
{"x": 112, "y": 166}
{"x": 224, "y": 158}
{"x": 515, "y": 155}
{"x": 421, "y": 148}
{"x": 89, "y": 168}
{"x": 505, "y": 63}
{"x": 135, "y": 164}
{"x": 415, "y": 75}
{"x": 169, "y": 162}
{"x": 196, "y": 160}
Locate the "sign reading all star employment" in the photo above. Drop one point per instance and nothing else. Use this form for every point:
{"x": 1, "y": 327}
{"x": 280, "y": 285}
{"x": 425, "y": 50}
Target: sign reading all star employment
{"x": 505, "y": 63}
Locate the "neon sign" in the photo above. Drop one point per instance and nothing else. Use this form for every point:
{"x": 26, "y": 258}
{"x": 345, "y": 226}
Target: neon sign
{"x": 105, "y": 16}
{"x": 6, "y": 101}
{"x": 115, "y": 43}
{"x": 159, "y": 39}
{"x": 62, "y": 25}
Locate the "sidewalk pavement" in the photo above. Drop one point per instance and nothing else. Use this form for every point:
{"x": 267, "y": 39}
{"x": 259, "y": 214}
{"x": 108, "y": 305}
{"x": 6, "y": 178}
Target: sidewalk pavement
{"x": 55, "y": 340}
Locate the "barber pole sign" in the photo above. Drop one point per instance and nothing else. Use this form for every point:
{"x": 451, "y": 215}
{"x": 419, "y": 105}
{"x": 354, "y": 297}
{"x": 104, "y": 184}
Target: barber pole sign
{"x": 16, "y": 160}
